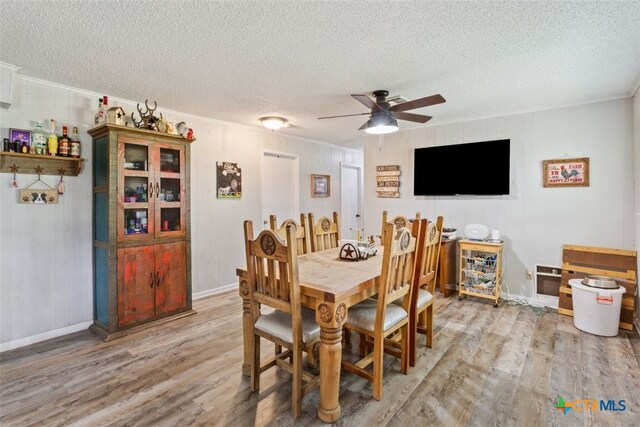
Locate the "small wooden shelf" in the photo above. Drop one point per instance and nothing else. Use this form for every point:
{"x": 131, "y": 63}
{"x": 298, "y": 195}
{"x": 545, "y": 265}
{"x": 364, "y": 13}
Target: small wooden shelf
{"x": 480, "y": 273}
{"x": 50, "y": 165}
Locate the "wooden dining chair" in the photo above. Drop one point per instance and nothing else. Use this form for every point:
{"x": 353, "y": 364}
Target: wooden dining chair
{"x": 302, "y": 232}
{"x": 272, "y": 269}
{"x": 325, "y": 234}
{"x": 378, "y": 319}
{"x": 398, "y": 221}
{"x": 426, "y": 280}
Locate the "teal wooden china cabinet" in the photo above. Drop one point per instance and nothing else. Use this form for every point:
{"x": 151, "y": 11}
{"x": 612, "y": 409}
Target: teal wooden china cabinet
{"x": 142, "y": 229}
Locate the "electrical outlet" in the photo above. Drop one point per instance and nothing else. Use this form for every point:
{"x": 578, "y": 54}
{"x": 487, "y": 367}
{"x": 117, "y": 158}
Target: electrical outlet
{"x": 529, "y": 276}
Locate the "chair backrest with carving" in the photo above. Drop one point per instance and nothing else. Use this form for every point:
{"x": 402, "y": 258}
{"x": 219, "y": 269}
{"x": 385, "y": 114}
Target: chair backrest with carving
{"x": 398, "y": 221}
{"x": 397, "y": 269}
{"x": 325, "y": 234}
{"x": 302, "y": 232}
{"x": 272, "y": 271}
{"x": 429, "y": 253}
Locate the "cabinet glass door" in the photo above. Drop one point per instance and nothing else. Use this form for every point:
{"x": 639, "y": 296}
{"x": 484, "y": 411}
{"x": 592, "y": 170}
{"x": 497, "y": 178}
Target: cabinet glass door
{"x": 170, "y": 191}
{"x": 135, "y": 213}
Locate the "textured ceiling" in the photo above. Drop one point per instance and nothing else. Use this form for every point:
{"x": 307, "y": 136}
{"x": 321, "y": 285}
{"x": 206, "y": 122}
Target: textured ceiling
{"x": 239, "y": 60}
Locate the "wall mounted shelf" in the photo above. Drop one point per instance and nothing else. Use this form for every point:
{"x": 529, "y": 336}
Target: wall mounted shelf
{"x": 47, "y": 165}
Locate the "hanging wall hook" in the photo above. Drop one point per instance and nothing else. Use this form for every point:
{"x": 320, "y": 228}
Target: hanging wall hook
{"x": 13, "y": 168}
{"x": 61, "y": 183}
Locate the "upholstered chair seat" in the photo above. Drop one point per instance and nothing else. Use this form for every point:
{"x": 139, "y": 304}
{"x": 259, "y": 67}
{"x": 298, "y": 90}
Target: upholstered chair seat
{"x": 363, "y": 315}
{"x": 278, "y": 324}
{"x": 424, "y": 297}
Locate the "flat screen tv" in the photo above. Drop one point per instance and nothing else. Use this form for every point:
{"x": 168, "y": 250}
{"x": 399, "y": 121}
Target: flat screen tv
{"x": 477, "y": 168}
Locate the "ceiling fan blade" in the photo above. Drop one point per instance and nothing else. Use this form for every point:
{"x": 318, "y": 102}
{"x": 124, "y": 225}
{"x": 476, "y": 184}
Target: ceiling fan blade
{"x": 419, "y": 103}
{"x": 367, "y": 102}
{"x": 419, "y": 118}
{"x": 364, "y": 126}
{"x": 346, "y": 115}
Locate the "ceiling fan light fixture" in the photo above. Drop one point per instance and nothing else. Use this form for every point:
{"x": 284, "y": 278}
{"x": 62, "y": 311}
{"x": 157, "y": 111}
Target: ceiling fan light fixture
{"x": 381, "y": 130}
{"x": 273, "y": 122}
{"x": 381, "y": 123}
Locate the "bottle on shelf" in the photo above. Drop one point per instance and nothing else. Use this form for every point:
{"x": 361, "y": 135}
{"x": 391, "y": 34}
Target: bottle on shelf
{"x": 52, "y": 140}
{"x": 75, "y": 143}
{"x": 99, "y": 114}
{"x": 64, "y": 143}
{"x": 39, "y": 139}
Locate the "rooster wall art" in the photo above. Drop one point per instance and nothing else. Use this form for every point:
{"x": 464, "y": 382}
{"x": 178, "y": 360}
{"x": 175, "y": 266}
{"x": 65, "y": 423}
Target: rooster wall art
{"x": 566, "y": 174}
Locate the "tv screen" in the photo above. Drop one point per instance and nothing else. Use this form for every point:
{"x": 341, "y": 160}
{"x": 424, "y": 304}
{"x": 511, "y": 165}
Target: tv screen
{"x": 477, "y": 168}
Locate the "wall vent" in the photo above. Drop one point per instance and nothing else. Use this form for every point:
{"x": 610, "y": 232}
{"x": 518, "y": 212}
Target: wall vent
{"x": 397, "y": 99}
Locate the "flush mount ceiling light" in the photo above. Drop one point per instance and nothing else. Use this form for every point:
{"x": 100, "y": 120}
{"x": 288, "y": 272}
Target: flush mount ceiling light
{"x": 381, "y": 122}
{"x": 273, "y": 122}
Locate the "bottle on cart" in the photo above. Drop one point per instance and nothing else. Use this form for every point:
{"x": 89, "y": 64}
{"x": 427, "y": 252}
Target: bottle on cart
{"x": 52, "y": 140}
{"x": 39, "y": 139}
{"x": 99, "y": 114}
{"x": 75, "y": 143}
{"x": 64, "y": 143}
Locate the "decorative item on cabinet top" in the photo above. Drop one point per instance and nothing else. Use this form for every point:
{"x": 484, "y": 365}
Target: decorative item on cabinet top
{"x": 116, "y": 116}
{"x": 134, "y": 130}
{"x": 151, "y": 122}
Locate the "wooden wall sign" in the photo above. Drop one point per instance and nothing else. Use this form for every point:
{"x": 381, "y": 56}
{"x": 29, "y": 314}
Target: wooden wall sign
{"x": 388, "y": 181}
{"x": 566, "y": 172}
{"x": 38, "y": 196}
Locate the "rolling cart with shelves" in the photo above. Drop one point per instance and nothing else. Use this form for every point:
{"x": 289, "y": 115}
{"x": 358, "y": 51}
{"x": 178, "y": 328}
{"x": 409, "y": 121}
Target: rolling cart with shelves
{"x": 480, "y": 273}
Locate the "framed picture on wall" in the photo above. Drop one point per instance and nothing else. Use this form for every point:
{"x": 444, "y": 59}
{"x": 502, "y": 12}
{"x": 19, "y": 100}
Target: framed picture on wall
{"x": 320, "y": 185}
{"x": 20, "y": 137}
{"x": 229, "y": 180}
{"x": 566, "y": 172}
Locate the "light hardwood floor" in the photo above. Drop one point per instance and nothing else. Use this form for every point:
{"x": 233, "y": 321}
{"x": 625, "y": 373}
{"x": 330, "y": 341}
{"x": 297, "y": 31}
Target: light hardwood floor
{"x": 488, "y": 366}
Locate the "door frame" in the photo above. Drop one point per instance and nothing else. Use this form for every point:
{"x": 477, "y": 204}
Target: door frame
{"x": 359, "y": 170}
{"x": 296, "y": 179}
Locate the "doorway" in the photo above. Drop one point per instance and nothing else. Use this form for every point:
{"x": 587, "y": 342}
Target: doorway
{"x": 280, "y": 186}
{"x": 350, "y": 200}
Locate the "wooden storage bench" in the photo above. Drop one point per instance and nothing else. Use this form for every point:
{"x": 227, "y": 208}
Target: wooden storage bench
{"x": 619, "y": 264}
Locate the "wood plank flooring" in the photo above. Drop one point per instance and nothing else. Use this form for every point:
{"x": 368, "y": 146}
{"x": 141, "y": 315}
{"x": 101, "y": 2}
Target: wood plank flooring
{"x": 488, "y": 366}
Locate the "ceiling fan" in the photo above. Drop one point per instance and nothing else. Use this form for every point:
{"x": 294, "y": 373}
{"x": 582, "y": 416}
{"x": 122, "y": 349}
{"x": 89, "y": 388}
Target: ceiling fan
{"x": 383, "y": 117}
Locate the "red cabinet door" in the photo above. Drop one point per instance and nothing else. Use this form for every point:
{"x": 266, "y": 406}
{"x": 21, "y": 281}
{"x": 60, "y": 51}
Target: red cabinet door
{"x": 136, "y": 285}
{"x": 171, "y": 289}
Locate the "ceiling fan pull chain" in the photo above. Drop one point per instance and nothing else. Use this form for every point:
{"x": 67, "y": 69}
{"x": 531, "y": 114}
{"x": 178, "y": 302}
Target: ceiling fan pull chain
{"x": 380, "y": 143}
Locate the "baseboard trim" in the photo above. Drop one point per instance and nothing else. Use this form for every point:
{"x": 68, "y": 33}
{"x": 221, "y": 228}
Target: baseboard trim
{"x": 21, "y": 342}
{"x": 216, "y": 291}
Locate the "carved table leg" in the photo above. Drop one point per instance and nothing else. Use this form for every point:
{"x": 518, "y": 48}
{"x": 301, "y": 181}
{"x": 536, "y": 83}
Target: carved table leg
{"x": 330, "y": 320}
{"x": 330, "y": 359}
{"x": 247, "y": 327}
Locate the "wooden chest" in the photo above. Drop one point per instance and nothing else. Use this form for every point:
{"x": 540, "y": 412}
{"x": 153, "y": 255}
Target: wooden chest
{"x": 619, "y": 264}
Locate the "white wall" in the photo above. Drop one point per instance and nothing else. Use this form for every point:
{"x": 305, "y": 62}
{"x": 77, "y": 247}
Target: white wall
{"x": 534, "y": 221}
{"x": 46, "y": 251}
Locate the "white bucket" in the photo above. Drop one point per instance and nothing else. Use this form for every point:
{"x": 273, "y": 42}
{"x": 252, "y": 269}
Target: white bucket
{"x": 595, "y": 310}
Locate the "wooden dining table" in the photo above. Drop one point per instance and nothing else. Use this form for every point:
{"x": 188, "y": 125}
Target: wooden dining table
{"x": 329, "y": 286}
